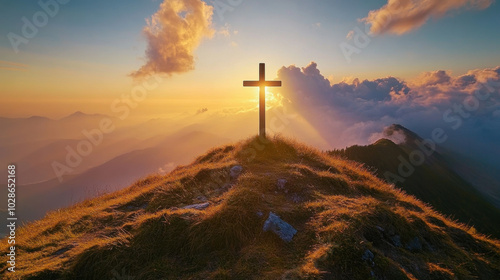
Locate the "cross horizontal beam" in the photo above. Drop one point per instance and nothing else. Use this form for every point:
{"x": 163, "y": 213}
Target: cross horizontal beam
{"x": 262, "y": 84}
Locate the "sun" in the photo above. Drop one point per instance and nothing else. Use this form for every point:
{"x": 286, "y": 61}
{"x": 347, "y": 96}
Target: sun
{"x": 272, "y": 99}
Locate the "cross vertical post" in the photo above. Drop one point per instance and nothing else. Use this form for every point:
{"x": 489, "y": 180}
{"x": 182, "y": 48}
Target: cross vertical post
{"x": 262, "y": 84}
{"x": 262, "y": 101}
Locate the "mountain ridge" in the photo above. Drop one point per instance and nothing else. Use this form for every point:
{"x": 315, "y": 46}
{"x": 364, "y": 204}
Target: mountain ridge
{"x": 434, "y": 181}
{"x": 349, "y": 225}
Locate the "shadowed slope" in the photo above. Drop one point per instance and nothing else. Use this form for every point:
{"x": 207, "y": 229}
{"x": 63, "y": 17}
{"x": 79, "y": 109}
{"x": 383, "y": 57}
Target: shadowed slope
{"x": 433, "y": 182}
{"x": 350, "y": 225}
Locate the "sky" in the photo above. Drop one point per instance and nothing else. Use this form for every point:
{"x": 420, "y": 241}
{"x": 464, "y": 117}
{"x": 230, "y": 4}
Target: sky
{"x": 349, "y": 68}
{"x": 84, "y": 55}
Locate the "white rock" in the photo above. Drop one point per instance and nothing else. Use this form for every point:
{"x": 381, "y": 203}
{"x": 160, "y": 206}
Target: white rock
{"x": 283, "y": 229}
{"x": 200, "y": 206}
{"x": 235, "y": 171}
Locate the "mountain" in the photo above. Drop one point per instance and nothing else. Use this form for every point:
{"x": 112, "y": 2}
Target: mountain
{"x": 254, "y": 210}
{"x": 35, "y": 142}
{"x": 112, "y": 175}
{"x": 81, "y": 115}
{"x": 37, "y": 165}
{"x": 433, "y": 181}
{"x": 484, "y": 177}
{"x": 25, "y": 130}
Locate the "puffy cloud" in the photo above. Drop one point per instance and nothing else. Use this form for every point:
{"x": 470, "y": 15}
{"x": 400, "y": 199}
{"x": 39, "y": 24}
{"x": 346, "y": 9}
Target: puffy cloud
{"x": 466, "y": 80}
{"x": 308, "y": 86}
{"x": 402, "y": 16}
{"x": 173, "y": 33}
{"x": 355, "y": 112}
{"x": 433, "y": 78}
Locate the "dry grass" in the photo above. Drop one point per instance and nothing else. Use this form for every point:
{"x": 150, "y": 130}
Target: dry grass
{"x": 339, "y": 209}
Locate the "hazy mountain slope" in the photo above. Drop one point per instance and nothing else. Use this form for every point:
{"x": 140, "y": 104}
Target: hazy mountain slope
{"x": 40, "y": 128}
{"x": 22, "y": 148}
{"x": 19, "y": 129}
{"x": 350, "y": 225}
{"x": 34, "y": 143}
{"x": 37, "y": 166}
{"x": 37, "y": 199}
{"x": 484, "y": 177}
{"x": 433, "y": 182}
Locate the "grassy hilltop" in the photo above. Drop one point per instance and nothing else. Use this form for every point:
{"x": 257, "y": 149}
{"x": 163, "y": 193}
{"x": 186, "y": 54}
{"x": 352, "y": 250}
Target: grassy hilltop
{"x": 350, "y": 225}
{"x": 433, "y": 182}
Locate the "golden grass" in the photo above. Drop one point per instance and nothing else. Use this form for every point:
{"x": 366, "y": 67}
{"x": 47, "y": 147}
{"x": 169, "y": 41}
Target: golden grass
{"x": 342, "y": 210}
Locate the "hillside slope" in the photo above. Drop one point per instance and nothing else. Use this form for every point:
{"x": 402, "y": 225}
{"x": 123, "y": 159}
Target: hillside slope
{"x": 433, "y": 182}
{"x": 350, "y": 225}
{"x": 112, "y": 175}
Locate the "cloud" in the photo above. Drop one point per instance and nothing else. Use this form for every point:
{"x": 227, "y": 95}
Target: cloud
{"x": 201, "y": 111}
{"x": 173, "y": 33}
{"x": 227, "y": 31}
{"x": 433, "y": 78}
{"x": 354, "y": 111}
{"x": 402, "y": 16}
{"x": 350, "y": 35}
{"x": 13, "y": 66}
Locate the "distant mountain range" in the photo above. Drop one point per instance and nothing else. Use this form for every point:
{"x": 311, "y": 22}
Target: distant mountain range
{"x": 114, "y": 174}
{"x": 128, "y": 153}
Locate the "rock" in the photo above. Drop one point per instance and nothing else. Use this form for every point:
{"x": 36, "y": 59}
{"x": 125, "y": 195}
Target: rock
{"x": 396, "y": 241}
{"x": 414, "y": 245}
{"x": 63, "y": 250}
{"x": 281, "y": 184}
{"x": 368, "y": 257}
{"x": 275, "y": 224}
{"x": 235, "y": 171}
{"x": 260, "y": 214}
{"x": 380, "y": 228}
{"x": 296, "y": 198}
{"x": 200, "y": 206}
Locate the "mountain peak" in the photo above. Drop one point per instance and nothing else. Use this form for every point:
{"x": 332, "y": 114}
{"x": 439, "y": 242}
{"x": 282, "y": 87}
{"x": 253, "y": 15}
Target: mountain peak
{"x": 37, "y": 118}
{"x": 77, "y": 114}
{"x": 400, "y": 134}
{"x": 80, "y": 114}
{"x": 223, "y": 216}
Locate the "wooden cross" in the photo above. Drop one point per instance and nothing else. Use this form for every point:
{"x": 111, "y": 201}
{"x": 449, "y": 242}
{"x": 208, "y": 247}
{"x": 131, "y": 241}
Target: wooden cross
{"x": 262, "y": 83}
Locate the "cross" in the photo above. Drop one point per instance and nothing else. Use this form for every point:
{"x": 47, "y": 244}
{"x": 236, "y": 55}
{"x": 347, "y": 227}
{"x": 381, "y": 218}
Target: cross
{"x": 262, "y": 83}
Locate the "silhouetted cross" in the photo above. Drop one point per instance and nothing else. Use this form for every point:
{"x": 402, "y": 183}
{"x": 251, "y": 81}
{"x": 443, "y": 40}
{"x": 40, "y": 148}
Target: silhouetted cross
{"x": 262, "y": 83}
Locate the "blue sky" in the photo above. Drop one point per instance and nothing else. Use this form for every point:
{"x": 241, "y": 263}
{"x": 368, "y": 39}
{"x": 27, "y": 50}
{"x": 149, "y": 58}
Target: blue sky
{"x": 458, "y": 41}
{"x": 89, "y": 40}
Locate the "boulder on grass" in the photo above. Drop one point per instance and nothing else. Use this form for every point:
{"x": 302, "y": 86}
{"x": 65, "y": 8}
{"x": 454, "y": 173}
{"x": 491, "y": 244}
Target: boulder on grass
{"x": 283, "y": 229}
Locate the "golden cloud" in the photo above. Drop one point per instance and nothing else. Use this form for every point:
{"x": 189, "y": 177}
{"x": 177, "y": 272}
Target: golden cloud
{"x": 173, "y": 33}
{"x": 402, "y": 16}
